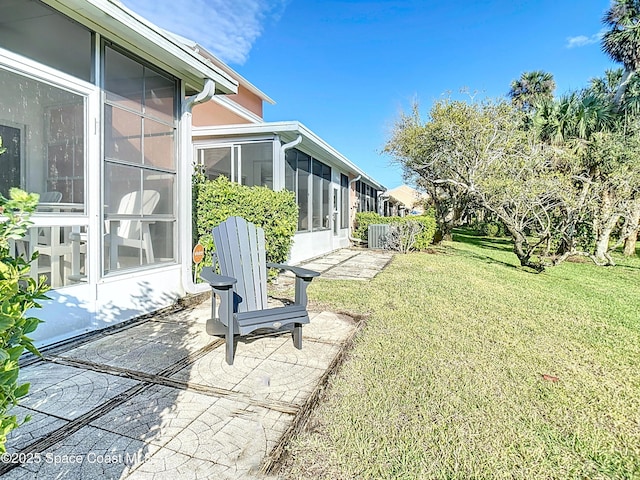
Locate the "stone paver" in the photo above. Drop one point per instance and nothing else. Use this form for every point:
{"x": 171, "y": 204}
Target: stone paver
{"x": 73, "y": 396}
{"x": 157, "y": 400}
{"x": 131, "y": 351}
{"x": 87, "y": 454}
{"x": 155, "y": 415}
{"x": 38, "y": 427}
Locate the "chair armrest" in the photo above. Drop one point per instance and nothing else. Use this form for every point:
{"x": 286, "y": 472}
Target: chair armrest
{"x": 298, "y": 271}
{"x": 215, "y": 280}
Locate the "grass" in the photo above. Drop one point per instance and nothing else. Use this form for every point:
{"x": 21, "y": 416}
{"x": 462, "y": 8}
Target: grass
{"x": 470, "y": 367}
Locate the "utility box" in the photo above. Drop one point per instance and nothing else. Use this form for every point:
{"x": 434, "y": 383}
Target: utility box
{"x": 377, "y": 235}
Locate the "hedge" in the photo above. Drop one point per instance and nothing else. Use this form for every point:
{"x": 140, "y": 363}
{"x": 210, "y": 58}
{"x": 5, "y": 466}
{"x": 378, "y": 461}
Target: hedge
{"x": 217, "y": 200}
{"x": 19, "y": 294}
{"x": 428, "y": 222}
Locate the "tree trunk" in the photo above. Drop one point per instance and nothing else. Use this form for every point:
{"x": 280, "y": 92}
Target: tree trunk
{"x": 630, "y": 244}
{"x": 634, "y": 221}
{"x": 521, "y": 246}
{"x": 622, "y": 87}
{"x": 602, "y": 243}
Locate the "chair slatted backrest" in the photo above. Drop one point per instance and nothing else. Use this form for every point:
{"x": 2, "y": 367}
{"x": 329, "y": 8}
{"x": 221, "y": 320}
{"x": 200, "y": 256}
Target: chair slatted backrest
{"x": 133, "y": 203}
{"x": 51, "y": 197}
{"x": 241, "y": 253}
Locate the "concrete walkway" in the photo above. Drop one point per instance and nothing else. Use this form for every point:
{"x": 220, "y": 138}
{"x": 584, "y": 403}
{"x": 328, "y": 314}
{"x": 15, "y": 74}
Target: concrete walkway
{"x": 350, "y": 264}
{"x": 156, "y": 399}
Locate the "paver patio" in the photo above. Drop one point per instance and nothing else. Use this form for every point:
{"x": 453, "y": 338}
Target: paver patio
{"x": 156, "y": 398}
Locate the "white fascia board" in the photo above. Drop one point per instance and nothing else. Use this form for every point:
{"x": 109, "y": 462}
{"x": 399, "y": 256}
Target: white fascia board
{"x": 117, "y": 23}
{"x": 237, "y": 109}
{"x": 288, "y": 131}
{"x": 235, "y": 75}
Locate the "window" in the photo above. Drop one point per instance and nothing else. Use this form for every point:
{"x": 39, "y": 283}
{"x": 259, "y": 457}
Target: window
{"x": 140, "y": 163}
{"x": 310, "y": 179}
{"x": 250, "y": 164}
{"x": 216, "y": 162}
{"x": 290, "y": 169}
{"x": 11, "y": 160}
{"x": 256, "y": 163}
{"x": 367, "y": 197}
{"x": 43, "y": 128}
{"x": 321, "y": 183}
{"x": 65, "y": 152}
{"x": 318, "y": 214}
{"x": 344, "y": 199}
{"x": 304, "y": 191}
{"x": 32, "y": 29}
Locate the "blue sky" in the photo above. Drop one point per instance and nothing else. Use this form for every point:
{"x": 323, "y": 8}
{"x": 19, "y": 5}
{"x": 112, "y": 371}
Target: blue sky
{"x": 346, "y": 68}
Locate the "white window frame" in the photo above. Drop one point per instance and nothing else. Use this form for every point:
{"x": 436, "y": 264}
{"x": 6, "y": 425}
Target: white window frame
{"x": 26, "y": 67}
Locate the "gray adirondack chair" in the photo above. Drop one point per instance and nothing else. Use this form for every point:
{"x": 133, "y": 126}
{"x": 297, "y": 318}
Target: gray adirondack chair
{"x": 242, "y": 286}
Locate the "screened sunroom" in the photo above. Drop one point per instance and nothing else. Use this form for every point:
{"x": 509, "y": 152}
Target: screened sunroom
{"x": 329, "y": 188}
{"x": 96, "y": 123}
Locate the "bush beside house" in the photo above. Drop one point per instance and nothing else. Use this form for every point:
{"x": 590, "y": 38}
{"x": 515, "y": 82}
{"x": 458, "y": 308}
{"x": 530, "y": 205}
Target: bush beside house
{"x": 423, "y": 239}
{"x": 18, "y": 293}
{"x": 217, "y": 200}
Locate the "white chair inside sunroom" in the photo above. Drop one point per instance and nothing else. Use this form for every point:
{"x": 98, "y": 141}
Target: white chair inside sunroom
{"x": 132, "y": 233}
{"x": 53, "y": 251}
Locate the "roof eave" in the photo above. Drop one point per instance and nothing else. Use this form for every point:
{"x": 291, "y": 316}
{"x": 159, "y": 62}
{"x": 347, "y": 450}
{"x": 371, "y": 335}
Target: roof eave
{"x": 292, "y": 129}
{"x": 117, "y": 23}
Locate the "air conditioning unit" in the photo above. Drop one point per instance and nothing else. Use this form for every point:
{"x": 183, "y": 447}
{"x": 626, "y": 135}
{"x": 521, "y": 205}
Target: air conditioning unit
{"x": 377, "y": 235}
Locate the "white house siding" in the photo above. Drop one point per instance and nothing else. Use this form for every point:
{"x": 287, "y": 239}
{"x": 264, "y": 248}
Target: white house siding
{"x": 73, "y": 311}
{"x": 308, "y": 245}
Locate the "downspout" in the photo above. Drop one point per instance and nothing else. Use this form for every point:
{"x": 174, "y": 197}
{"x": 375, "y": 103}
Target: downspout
{"x": 291, "y": 144}
{"x": 382, "y": 197}
{"x": 187, "y": 154}
{"x": 351, "y": 237}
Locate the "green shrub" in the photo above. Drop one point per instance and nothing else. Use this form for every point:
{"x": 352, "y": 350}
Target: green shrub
{"x": 423, "y": 240}
{"x": 217, "y": 200}
{"x": 490, "y": 229}
{"x": 363, "y": 220}
{"x": 18, "y": 293}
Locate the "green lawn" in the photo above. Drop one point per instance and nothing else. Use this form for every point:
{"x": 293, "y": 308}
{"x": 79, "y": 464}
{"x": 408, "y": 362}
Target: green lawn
{"x": 470, "y": 367}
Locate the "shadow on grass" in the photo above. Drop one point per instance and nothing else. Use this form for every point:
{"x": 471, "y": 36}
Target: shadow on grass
{"x": 505, "y": 245}
{"x": 486, "y": 243}
{"x": 467, "y": 236}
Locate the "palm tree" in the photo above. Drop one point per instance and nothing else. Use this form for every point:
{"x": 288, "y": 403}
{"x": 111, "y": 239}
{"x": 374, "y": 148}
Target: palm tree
{"x": 531, "y": 88}
{"x": 607, "y": 86}
{"x": 574, "y": 118}
{"x": 622, "y": 42}
{"x": 589, "y": 124}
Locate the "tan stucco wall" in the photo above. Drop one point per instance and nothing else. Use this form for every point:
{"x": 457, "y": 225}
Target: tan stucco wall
{"x": 212, "y": 113}
{"x": 248, "y": 100}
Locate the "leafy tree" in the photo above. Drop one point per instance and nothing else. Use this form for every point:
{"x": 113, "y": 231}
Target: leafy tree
{"x": 476, "y": 151}
{"x": 593, "y": 129}
{"x": 629, "y": 110}
{"x": 411, "y": 145}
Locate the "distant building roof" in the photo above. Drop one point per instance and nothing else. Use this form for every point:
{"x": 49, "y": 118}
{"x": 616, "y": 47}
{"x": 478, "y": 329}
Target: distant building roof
{"x": 408, "y": 196}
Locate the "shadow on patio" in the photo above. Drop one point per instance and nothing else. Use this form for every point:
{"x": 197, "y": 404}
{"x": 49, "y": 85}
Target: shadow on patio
{"x": 155, "y": 397}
